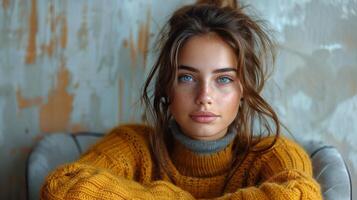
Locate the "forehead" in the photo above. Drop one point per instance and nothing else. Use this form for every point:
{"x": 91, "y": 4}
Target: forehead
{"x": 207, "y": 52}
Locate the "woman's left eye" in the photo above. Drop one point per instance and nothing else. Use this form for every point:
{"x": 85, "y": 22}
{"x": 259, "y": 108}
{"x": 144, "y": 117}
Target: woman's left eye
{"x": 224, "y": 80}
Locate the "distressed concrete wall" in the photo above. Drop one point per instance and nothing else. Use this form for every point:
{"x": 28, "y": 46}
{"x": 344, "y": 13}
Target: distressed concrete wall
{"x": 78, "y": 65}
{"x": 68, "y": 66}
{"x": 314, "y": 88}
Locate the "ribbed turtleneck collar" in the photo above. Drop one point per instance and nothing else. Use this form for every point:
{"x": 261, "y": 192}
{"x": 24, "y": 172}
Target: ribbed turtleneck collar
{"x": 200, "y": 146}
{"x": 201, "y": 158}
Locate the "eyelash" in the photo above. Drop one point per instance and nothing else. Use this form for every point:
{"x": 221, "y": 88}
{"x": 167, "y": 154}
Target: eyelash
{"x": 227, "y": 78}
{"x": 180, "y": 79}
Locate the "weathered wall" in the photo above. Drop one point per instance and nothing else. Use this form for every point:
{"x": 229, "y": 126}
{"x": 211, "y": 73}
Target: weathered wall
{"x": 314, "y": 88}
{"x": 78, "y": 65}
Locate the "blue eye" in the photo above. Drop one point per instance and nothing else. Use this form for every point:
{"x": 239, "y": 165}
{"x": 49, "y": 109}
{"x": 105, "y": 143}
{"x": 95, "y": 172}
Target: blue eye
{"x": 224, "y": 80}
{"x": 185, "y": 78}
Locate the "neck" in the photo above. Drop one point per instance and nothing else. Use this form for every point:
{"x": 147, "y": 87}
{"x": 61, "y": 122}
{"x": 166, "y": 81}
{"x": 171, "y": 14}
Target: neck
{"x": 201, "y": 146}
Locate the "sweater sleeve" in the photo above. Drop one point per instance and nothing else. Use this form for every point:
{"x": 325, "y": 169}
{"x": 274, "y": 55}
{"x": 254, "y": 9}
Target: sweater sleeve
{"x": 107, "y": 172}
{"x": 285, "y": 172}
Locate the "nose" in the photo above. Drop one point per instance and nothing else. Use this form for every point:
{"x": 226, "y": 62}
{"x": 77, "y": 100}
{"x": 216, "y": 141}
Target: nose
{"x": 204, "y": 94}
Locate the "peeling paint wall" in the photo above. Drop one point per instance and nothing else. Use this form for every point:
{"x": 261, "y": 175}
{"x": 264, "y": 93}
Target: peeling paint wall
{"x": 69, "y": 66}
{"x": 314, "y": 87}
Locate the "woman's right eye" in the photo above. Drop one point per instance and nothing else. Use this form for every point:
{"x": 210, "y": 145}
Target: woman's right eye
{"x": 185, "y": 78}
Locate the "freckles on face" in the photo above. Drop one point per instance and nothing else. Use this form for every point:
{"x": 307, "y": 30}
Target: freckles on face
{"x": 229, "y": 98}
{"x": 207, "y": 91}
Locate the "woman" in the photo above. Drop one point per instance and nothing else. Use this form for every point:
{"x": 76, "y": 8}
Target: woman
{"x": 204, "y": 107}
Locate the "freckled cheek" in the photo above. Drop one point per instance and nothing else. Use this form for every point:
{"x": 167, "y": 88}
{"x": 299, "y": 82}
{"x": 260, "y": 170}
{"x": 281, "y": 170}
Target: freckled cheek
{"x": 229, "y": 98}
{"x": 183, "y": 93}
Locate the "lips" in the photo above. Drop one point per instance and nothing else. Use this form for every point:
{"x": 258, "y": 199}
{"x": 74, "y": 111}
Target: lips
{"x": 203, "y": 117}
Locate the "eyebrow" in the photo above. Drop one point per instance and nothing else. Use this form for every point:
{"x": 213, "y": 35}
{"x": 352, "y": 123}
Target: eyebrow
{"x": 192, "y": 69}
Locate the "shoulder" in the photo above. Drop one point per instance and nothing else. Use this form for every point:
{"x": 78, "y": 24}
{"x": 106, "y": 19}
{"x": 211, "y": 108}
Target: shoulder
{"x": 284, "y": 154}
{"x": 281, "y": 143}
{"x": 125, "y": 136}
{"x": 132, "y": 130}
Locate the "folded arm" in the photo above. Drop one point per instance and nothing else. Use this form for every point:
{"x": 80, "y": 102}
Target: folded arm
{"x": 79, "y": 181}
{"x": 290, "y": 184}
{"x": 286, "y": 173}
{"x": 107, "y": 171}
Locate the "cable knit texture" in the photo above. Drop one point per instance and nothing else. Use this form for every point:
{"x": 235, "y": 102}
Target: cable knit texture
{"x": 121, "y": 166}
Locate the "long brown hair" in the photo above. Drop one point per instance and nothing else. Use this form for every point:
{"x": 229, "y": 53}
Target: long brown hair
{"x": 255, "y": 52}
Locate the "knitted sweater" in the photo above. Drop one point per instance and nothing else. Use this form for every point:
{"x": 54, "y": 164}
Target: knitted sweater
{"x": 121, "y": 166}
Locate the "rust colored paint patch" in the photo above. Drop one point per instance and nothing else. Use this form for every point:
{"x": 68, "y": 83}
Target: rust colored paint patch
{"x": 25, "y": 103}
{"x": 143, "y": 40}
{"x": 31, "y": 48}
{"x": 132, "y": 50}
{"x": 55, "y": 115}
{"x": 49, "y": 48}
{"x": 56, "y": 39}
{"x": 5, "y": 4}
{"x": 64, "y": 32}
{"x": 121, "y": 99}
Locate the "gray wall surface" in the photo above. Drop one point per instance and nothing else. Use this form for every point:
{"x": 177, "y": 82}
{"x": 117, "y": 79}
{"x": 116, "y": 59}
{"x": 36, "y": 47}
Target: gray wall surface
{"x": 69, "y": 66}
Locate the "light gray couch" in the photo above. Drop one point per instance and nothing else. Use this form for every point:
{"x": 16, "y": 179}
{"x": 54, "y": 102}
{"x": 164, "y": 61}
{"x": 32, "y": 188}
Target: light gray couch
{"x": 53, "y": 150}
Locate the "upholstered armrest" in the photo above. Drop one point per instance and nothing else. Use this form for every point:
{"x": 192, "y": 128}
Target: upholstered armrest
{"x": 52, "y": 151}
{"x": 330, "y": 170}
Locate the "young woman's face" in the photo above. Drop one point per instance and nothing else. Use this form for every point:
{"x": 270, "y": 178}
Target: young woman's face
{"x": 207, "y": 91}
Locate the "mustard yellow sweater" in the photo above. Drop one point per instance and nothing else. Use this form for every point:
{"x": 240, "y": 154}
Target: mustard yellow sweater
{"x": 120, "y": 166}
